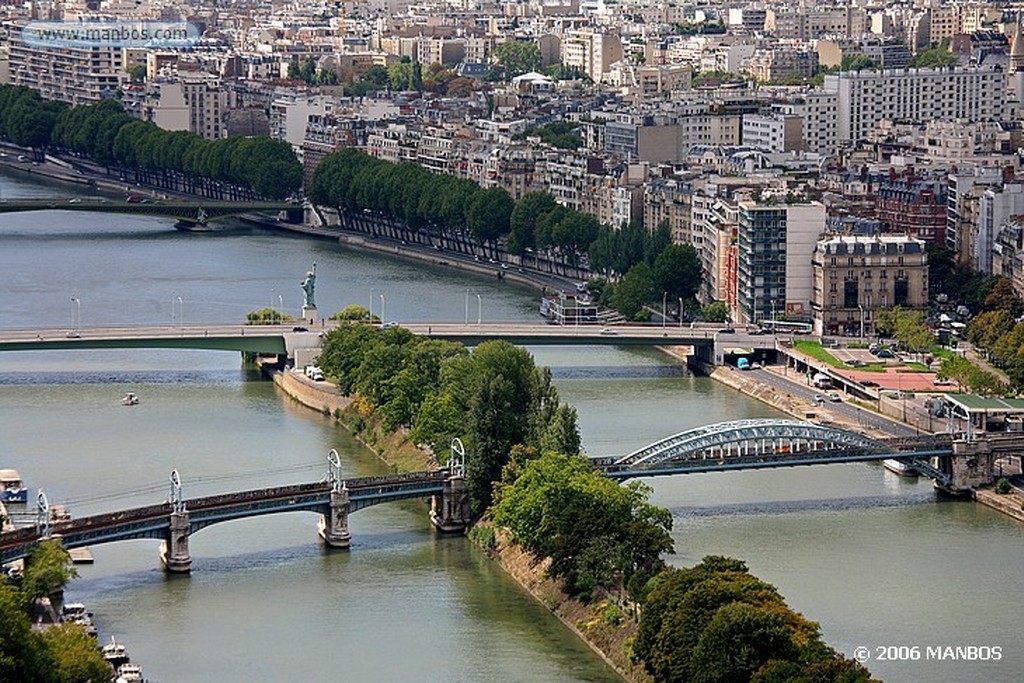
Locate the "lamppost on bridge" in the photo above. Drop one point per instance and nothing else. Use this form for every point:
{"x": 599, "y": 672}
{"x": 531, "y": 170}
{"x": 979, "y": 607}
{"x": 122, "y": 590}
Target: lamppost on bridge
{"x": 664, "y": 300}
{"x": 479, "y": 310}
{"x": 382, "y": 307}
{"x": 280, "y": 308}
{"x": 181, "y": 312}
{"x": 78, "y": 308}
{"x": 467, "y": 308}
{"x": 680, "y": 312}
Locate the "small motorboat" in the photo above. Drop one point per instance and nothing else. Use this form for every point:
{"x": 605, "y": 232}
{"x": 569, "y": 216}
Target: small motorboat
{"x": 129, "y": 399}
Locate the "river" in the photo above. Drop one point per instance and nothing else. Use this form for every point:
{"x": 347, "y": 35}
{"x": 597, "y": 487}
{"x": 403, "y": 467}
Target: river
{"x": 875, "y": 559}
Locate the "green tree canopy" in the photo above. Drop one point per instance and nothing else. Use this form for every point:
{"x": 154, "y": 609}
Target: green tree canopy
{"x": 518, "y": 57}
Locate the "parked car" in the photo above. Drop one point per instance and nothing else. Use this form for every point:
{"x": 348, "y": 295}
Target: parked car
{"x": 299, "y": 328}
{"x": 834, "y": 398}
{"x": 389, "y": 325}
{"x": 819, "y": 399}
{"x": 608, "y": 330}
{"x": 868, "y": 383}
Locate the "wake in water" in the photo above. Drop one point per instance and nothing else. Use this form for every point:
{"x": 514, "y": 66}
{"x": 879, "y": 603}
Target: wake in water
{"x": 127, "y": 377}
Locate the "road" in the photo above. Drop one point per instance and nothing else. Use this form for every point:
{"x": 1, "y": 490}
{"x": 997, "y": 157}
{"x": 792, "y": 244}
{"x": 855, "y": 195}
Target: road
{"x": 855, "y": 415}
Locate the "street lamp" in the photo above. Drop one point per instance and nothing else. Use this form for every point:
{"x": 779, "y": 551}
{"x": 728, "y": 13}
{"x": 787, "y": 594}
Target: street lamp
{"x": 479, "y": 309}
{"x": 181, "y": 312}
{"x": 467, "y": 307}
{"x": 680, "y": 312}
{"x": 382, "y": 307}
{"x": 664, "y": 300}
{"x": 78, "y": 308}
{"x": 861, "y": 308}
{"x": 280, "y": 308}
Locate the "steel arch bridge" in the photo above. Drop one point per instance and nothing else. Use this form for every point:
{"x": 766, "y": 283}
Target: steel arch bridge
{"x": 758, "y": 444}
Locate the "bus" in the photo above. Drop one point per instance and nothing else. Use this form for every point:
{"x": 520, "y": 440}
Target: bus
{"x": 785, "y": 327}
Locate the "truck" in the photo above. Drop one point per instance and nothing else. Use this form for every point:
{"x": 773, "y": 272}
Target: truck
{"x": 821, "y": 381}
{"x": 742, "y": 363}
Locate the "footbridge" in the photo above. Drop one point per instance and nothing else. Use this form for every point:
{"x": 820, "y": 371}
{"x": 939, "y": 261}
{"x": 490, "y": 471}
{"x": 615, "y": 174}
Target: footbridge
{"x": 174, "y": 520}
{"x": 187, "y": 212}
{"x": 761, "y": 444}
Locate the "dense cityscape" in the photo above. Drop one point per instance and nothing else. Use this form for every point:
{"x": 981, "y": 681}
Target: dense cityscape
{"x": 836, "y": 182}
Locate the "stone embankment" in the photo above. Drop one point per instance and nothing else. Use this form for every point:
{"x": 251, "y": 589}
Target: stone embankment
{"x": 1009, "y": 503}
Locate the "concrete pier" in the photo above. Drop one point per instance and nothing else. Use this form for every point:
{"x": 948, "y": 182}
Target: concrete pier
{"x": 333, "y": 527}
{"x": 449, "y": 511}
{"x": 175, "y": 555}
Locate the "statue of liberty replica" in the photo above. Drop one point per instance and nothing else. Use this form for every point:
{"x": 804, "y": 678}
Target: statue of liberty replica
{"x": 308, "y": 295}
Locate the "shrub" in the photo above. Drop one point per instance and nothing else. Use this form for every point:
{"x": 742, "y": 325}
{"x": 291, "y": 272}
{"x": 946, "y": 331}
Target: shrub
{"x": 1002, "y": 486}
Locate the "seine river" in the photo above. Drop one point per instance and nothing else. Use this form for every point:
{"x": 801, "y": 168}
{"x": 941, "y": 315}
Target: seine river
{"x": 878, "y": 561}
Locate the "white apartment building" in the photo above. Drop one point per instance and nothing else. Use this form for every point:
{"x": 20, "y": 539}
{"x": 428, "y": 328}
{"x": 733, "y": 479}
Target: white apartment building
{"x": 591, "y": 51}
{"x": 773, "y": 132}
{"x": 995, "y": 207}
{"x": 76, "y": 75}
{"x": 957, "y": 93}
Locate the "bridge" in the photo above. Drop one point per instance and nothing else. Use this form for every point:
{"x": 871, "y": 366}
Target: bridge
{"x": 285, "y": 339}
{"x": 174, "y": 520}
{"x": 194, "y": 213}
{"x": 761, "y": 444}
{"x": 955, "y": 464}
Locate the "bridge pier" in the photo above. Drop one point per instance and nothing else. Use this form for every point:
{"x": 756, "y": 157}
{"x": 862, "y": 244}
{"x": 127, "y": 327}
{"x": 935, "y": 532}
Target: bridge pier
{"x": 449, "y": 510}
{"x": 333, "y": 527}
{"x": 972, "y": 465}
{"x": 174, "y": 554}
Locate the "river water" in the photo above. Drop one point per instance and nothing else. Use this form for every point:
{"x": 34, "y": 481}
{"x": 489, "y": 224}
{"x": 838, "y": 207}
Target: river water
{"x": 877, "y": 560}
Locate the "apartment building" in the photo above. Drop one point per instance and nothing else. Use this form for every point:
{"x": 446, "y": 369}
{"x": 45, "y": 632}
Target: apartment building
{"x": 591, "y": 51}
{"x": 775, "y": 243}
{"x": 864, "y": 98}
{"x": 996, "y": 206}
{"x": 857, "y": 276}
{"x": 76, "y": 75}
{"x": 913, "y": 205}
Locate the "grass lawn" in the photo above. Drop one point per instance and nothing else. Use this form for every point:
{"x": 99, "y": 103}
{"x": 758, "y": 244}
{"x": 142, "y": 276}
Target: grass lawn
{"x": 815, "y": 351}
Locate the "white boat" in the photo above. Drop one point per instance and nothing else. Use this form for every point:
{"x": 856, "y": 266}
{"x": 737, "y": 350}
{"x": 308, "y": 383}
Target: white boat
{"x": 115, "y": 653}
{"x": 129, "y": 399}
{"x": 11, "y": 488}
{"x": 899, "y": 467}
{"x": 129, "y": 672}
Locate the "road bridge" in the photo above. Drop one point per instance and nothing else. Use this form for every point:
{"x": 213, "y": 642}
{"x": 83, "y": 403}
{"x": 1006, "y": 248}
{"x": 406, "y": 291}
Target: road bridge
{"x": 287, "y": 338}
{"x": 188, "y": 213}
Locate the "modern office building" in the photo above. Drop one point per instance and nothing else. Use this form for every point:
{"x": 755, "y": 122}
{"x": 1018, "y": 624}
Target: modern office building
{"x": 775, "y": 243}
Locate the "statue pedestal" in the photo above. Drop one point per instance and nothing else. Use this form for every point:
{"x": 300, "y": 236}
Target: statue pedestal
{"x": 309, "y": 314}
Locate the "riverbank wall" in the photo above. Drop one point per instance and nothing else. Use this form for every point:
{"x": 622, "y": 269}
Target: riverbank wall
{"x": 1008, "y": 503}
{"x": 602, "y": 626}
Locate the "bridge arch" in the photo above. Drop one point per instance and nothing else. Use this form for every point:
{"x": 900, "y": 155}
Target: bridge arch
{"x": 749, "y": 437}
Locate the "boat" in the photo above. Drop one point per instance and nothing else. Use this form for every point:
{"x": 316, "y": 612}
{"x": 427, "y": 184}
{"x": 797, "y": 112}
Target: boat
{"x": 129, "y": 399}
{"x": 115, "y": 653}
{"x": 128, "y": 672}
{"x": 11, "y": 488}
{"x": 899, "y": 467}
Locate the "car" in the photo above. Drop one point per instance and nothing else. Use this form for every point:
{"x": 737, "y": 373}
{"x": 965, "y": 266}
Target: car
{"x": 608, "y": 331}
{"x": 834, "y": 398}
{"x": 818, "y": 398}
{"x": 868, "y": 383}
{"x": 756, "y": 366}
{"x": 504, "y": 266}
{"x": 885, "y": 353}
{"x": 389, "y": 325}
{"x": 72, "y": 334}
{"x": 300, "y": 328}
{"x": 727, "y": 330}
{"x": 943, "y": 382}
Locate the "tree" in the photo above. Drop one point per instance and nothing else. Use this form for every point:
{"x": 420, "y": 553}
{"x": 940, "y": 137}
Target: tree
{"x": 518, "y": 57}
{"x": 47, "y": 570}
{"x": 489, "y": 213}
{"x": 137, "y": 73}
{"x": 936, "y": 57}
{"x": 677, "y": 272}
{"x": 631, "y": 294}
{"x": 523, "y": 220}
{"x": 739, "y": 639}
{"x": 1003, "y": 297}
{"x": 715, "y": 312}
{"x": 73, "y": 656}
{"x": 354, "y": 313}
{"x": 19, "y": 649}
